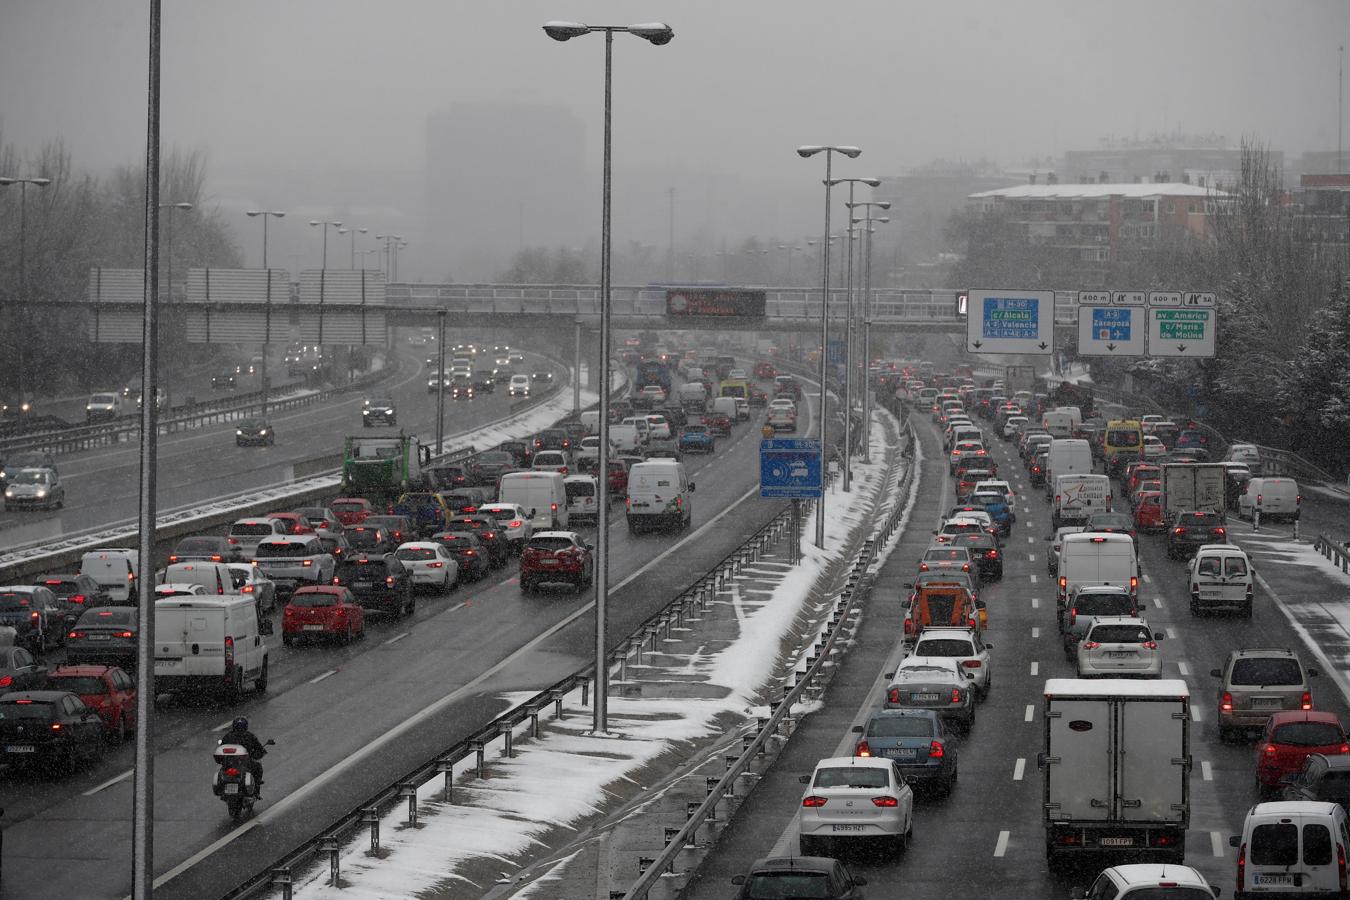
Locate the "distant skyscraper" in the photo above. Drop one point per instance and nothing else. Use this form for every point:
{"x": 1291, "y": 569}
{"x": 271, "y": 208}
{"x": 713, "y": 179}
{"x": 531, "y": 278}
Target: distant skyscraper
{"x": 500, "y": 176}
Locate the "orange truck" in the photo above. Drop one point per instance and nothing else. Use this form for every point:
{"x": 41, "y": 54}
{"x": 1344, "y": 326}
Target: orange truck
{"x": 943, "y": 603}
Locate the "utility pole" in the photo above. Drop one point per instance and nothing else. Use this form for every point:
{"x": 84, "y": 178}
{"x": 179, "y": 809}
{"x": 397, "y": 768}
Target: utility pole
{"x": 670, "y": 245}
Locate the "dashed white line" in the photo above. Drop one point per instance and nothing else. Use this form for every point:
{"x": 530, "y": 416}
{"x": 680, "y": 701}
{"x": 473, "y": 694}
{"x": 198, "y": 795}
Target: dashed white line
{"x": 1206, "y": 770}
{"x": 1035, "y": 603}
{"x": 222, "y": 726}
{"x": 1019, "y": 769}
{"x": 1195, "y": 714}
{"x": 1035, "y": 668}
{"x": 1216, "y": 843}
{"x": 111, "y": 781}
{"x": 1157, "y": 603}
{"x": 1182, "y": 668}
{"x": 1147, "y": 580}
{"x": 1033, "y": 578}
{"x": 1001, "y": 847}
{"x": 1035, "y": 631}
{"x": 1031, "y": 713}
{"x": 1030, "y": 539}
{"x": 317, "y": 678}
{"x": 396, "y": 638}
{"x": 1031, "y": 557}
{"x": 1171, "y": 633}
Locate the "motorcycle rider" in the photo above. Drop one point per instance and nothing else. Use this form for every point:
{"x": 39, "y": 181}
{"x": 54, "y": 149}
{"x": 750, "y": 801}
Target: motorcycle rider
{"x": 239, "y": 734}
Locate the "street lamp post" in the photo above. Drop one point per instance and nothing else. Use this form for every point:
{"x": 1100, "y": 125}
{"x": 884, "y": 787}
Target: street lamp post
{"x": 22, "y": 298}
{"x": 391, "y": 244}
{"x": 787, "y": 280}
{"x": 168, "y": 248}
{"x": 829, "y": 151}
{"x": 848, "y": 336}
{"x": 658, "y": 34}
{"x": 326, "y": 225}
{"x": 867, "y": 317}
{"x": 267, "y": 325}
{"x": 353, "y": 232}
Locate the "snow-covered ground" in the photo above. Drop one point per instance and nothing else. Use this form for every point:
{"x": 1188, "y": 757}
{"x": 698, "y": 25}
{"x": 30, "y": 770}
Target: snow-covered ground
{"x": 562, "y": 778}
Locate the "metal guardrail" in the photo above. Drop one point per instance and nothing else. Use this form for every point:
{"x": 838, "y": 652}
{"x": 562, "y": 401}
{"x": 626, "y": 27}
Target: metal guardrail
{"x": 1338, "y": 553}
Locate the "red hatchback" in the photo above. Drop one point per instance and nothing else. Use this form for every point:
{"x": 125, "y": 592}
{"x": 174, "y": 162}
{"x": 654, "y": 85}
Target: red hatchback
{"x": 323, "y": 611}
{"x": 107, "y": 690}
{"x": 351, "y": 510}
{"x": 294, "y": 522}
{"x": 1148, "y": 515}
{"x": 1292, "y": 736}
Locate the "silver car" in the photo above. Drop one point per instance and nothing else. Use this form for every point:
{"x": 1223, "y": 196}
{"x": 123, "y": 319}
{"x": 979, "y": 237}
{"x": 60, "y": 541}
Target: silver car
{"x": 936, "y": 683}
{"x": 1117, "y": 646}
{"x": 38, "y": 488}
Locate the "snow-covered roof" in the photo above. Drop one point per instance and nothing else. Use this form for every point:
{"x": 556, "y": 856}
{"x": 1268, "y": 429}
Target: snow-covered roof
{"x": 1171, "y": 688}
{"x": 1098, "y": 191}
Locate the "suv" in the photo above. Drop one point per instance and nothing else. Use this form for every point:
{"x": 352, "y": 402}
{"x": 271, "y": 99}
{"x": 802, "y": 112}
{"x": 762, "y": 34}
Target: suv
{"x": 379, "y": 582}
{"x": 379, "y": 410}
{"x": 1189, "y": 531}
{"x": 1258, "y": 682}
{"x": 553, "y": 556}
{"x": 293, "y": 560}
{"x": 519, "y": 386}
{"x": 962, "y": 644}
{"x": 552, "y": 439}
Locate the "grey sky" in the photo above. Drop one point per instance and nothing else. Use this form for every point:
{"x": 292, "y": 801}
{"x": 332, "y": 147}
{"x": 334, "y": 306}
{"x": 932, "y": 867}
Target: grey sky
{"x": 280, "y": 84}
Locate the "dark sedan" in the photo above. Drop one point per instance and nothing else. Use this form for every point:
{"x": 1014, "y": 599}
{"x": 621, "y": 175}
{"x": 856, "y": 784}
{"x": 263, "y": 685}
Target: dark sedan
{"x": 48, "y": 728}
{"x": 819, "y": 877}
{"x": 80, "y": 591}
{"x": 542, "y": 376}
{"x": 985, "y": 549}
{"x": 916, "y": 739}
{"x": 254, "y": 432}
{"x": 490, "y": 465}
{"x": 1190, "y": 530}
{"x": 522, "y": 451}
{"x": 468, "y": 551}
{"x": 20, "y": 672}
{"x": 104, "y": 636}
{"x": 489, "y": 536}
{"x": 206, "y": 548}
{"x": 379, "y": 411}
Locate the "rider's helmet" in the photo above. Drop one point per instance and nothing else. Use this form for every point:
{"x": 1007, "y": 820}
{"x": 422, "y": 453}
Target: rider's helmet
{"x": 239, "y": 724}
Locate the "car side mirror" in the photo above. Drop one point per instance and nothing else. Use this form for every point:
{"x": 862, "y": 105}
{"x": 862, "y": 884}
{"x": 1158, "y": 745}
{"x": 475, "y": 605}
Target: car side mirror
{"x": 804, "y": 779}
{"x": 1312, "y": 673}
{"x": 888, "y": 675}
{"x": 1217, "y": 673}
{"x": 980, "y": 604}
{"x": 1140, "y": 605}
{"x": 1235, "y": 840}
{"x": 988, "y": 646}
{"x": 857, "y": 729}
{"x": 910, "y": 585}
{"x": 738, "y": 879}
{"x": 970, "y": 676}
{"x": 533, "y": 513}
{"x": 590, "y": 546}
{"x": 1158, "y": 635}
{"x": 860, "y": 881}
{"x": 1078, "y": 893}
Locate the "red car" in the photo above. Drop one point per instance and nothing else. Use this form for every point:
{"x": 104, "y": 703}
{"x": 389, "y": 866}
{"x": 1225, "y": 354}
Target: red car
{"x": 1137, "y": 473}
{"x": 765, "y": 369}
{"x": 1148, "y": 514}
{"x": 295, "y": 523}
{"x": 107, "y": 690}
{"x": 718, "y": 423}
{"x": 1291, "y": 736}
{"x": 618, "y": 478}
{"x": 351, "y": 510}
{"x": 556, "y": 556}
{"x": 323, "y": 611}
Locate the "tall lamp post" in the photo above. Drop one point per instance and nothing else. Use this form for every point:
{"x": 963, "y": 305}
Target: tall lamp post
{"x": 656, "y": 33}
{"x": 848, "y": 335}
{"x": 353, "y": 232}
{"x": 168, "y": 247}
{"x": 787, "y": 280}
{"x": 391, "y": 244}
{"x": 868, "y": 230}
{"x": 267, "y": 326}
{"x": 22, "y": 298}
{"x": 829, "y": 151}
{"x": 326, "y": 225}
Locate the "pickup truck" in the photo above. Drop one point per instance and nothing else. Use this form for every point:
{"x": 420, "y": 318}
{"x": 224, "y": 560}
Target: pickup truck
{"x": 294, "y": 561}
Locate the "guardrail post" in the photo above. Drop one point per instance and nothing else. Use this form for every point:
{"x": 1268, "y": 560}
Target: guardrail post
{"x": 447, "y": 768}
{"x": 478, "y": 749}
{"x": 558, "y": 704}
{"x": 586, "y": 690}
{"x": 371, "y": 816}
{"x": 534, "y": 722}
{"x": 409, "y": 790}
{"x": 281, "y": 878}
{"x": 711, "y": 785}
{"x": 333, "y": 847}
{"x": 507, "y": 731}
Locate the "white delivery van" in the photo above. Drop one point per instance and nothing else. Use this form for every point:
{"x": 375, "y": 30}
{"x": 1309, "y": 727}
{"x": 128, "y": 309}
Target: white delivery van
{"x": 213, "y": 576}
{"x": 543, "y": 496}
{"x": 1058, "y": 423}
{"x": 726, "y": 406}
{"x": 1292, "y": 848}
{"x": 1067, "y": 456}
{"x": 115, "y": 570}
{"x": 624, "y": 438}
{"x": 659, "y": 495}
{"x": 1276, "y": 498}
{"x": 583, "y": 498}
{"x": 1077, "y": 497}
{"x": 1091, "y": 558}
{"x": 590, "y": 420}
{"x": 210, "y": 643}
{"x": 644, "y": 428}
{"x": 1221, "y": 578}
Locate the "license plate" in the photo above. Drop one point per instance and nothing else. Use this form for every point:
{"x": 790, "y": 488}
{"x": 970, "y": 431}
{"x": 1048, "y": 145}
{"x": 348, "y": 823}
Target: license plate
{"x": 97, "y": 637}
{"x": 20, "y": 748}
{"x": 838, "y": 828}
{"x": 1119, "y": 654}
{"x": 1286, "y": 880}
{"x": 313, "y": 628}
{"x": 231, "y": 788}
{"x": 548, "y": 562}
{"x": 924, "y": 698}
{"x": 904, "y": 754}
{"x": 1266, "y": 703}
{"x": 1117, "y": 842}
{"x": 166, "y": 665}
{"x": 361, "y": 585}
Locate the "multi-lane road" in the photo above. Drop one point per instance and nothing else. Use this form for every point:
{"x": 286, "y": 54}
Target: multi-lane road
{"x": 986, "y": 840}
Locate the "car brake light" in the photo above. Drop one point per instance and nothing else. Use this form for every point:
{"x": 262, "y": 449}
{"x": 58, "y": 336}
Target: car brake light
{"x": 935, "y": 750}
{"x": 1149, "y": 645}
{"x": 923, "y": 567}
{"x": 389, "y": 580}
{"x": 173, "y": 557}
{"x": 992, "y": 554}
{"x": 1241, "y": 864}
{"x": 1063, "y": 582}
{"x": 6, "y": 681}
{"x": 1307, "y": 700}
{"x": 35, "y": 615}
{"x": 307, "y": 563}
{"x": 965, "y": 567}
{"x": 515, "y": 523}
{"x": 1178, "y": 530}
{"x": 124, "y": 634}
{"x": 1258, "y": 498}
{"x": 56, "y": 726}
{"x": 1226, "y": 702}
{"x": 893, "y": 695}
{"x": 862, "y": 749}
{"x": 956, "y": 695}
{"x": 1073, "y": 615}
{"x": 885, "y": 801}
{"x": 971, "y": 663}
{"x": 232, "y": 541}
{"x": 229, "y": 658}
{"x": 1269, "y": 749}
{"x": 1134, "y": 583}
{"x": 1090, "y": 645}
{"x": 231, "y": 772}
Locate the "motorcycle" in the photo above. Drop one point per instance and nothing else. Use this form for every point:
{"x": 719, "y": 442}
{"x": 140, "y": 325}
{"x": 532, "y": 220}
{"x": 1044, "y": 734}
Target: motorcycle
{"x": 234, "y": 782}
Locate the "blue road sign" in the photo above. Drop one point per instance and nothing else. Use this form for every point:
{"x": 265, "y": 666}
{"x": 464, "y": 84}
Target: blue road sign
{"x": 1111, "y": 323}
{"x": 1013, "y": 318}
{"x": 789, "y": 469}
{"x": 1009, "y": 321}
{"x": 835, "y": 352}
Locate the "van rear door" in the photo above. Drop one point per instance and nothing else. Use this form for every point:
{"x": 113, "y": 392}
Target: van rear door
{"x": 1078, "y": 782}
{"x": 1150, "y": 731}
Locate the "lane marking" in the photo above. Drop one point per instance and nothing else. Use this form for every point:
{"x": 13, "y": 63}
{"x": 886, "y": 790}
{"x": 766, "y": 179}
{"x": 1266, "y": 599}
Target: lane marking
{"x": 1001, "y": 847}
{"x": 1031, "y": 557}
{"x": 1147, "y": 580}
{"x": 1033, "y": 578}
{"x": 1030, "y": 539}
{"x": 110, "y": 782}
{"x": 317, "y": 678}
{"x": 396, "y": 638}
{"x": 223, "y": 725}
{"x": 1031, "y": 713}
{"x": 1170, "y": 632}
{"x": 1019, "y": 769}
{"x": 1035, "y": 631}
{"x": 1182, "y": 668}
{"x": 1035, "y": 668}
{"x": 1216, "y": 843}
{"x": 1035, "y": 603}
{"x": 1195, "y": 714}
{"x": 1206, "y": 770}
{"x": 1157, "y": 602}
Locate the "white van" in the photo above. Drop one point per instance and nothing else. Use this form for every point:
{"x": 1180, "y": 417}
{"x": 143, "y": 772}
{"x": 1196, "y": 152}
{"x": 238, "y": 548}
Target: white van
{"x": 624, "y": 438}
{"x": 1077, "y": 497}
{"x": 543, "y": 495}
{"x": 104, "y": 406}
{"x": 1091, "y": 558}
{"x": 246, "y": 534}
{"x": 213, "y": 576}
{"x": 115, "y": 570}
{"x": 583, "y": 498}
{"x": 726, "y": 406}
{"x": 1221, "y": 578}
{"x": 1292, "y": 847}
{"x": 1067, "y": 456}
{"x": 210, "y": 643}
{"x": 1276, "y": 498}
{"x": 590, "y": 420}
{"x": 659, "y": 495}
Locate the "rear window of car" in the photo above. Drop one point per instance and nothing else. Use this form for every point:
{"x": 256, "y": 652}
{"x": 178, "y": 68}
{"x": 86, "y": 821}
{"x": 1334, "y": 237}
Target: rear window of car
{"x": 952, "y": 554}
{"x": 1257, "y": 671}
{"x": 1275, "y": 844}
{"x": 11, "y": 602}
{"x": 301, "y": 598}
{"x": 361, "y": 570}
{"x": 550, "y": 544}
{"x": 1103, "y": 605}
{"x": 806, "y": 885}
{"x": 416, "y": 553}
{"x": 78, "y": 684}
{"x": 252, "y": 528}
{"x": 349, "y": 506}
{"x": 1122, "y": 437}
{"x": 851, "y": 776}
{"x": 273, "y": 550}
{"x": 900, "y": 726}
{"x": 367, "y": 537}
{"x": 580, "y": 489}
{"x": 1308, "y": 734}
{"x": 28, "y": 711}
{"x": 956, "y": 647}
{"x": 1120, "y": 634}
{"x": 1199, "y": 518}
{"x": 108, "y": 616}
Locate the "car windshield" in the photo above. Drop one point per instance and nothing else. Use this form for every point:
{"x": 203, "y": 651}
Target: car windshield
{"x": 788, "y": 886}
{"x": 1199, "y": 518}
{"x": 252, "y": 424}
{"x": 956, "y": 647}
{"x": 364, "y": 537}
{"x": 1308, "y": 734}
{"x": 1257, "y": 671}
{"x": 952, "y": 554}
{"x": 899, "y": 726}
{"x": 921, "y": 671}
{"x": 851, "y": 777}
{"x": 78, "y": 684}
{"x": 1111, "y": 520}
{"x": 1170, "y": 892}
{"x": 317, "y": 598}
{"x": 28, "y": 476}
{"x": 695, "y": 429}
{"x": 550, "y": 544}
{"x": 415, "y": 553}
{"x": 1120, "y": 634}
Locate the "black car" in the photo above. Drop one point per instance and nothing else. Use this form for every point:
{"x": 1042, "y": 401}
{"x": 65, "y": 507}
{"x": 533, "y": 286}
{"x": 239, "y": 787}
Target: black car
{"x": 484, "y": 381}
{"x": 985, "y": 549}
{"x": 542, "y": 376}
{"x": 334, "y": 544}
{"x": 468, "y": 551}
{"x": 225, "y": 381}
{"x": 104, "y": 636}
{"x": 798, "y": 876}
{"x": 1190, "y": 530}
{"x": 522, "y": 451}
{"x": 379, "y": 582}
{"x": 552, "y": 439}
{"x": 369, "y": 539}
{"x": 207, "y": 548}
{"x": 76, "y": 589}
{"x": 445, "y": 477}
{"x": 39, "y": 620}
{"x": 464, "y": 501}
{"x": 399, "y": 528}
{"x": 254, "y": 432}
{"x": 48, "y": 728}
{"x": 488, "y": 466}
{"x": 1113, "y": 523}
{"x": 486, "y": 528}
{"x": 379, "y": 411}
{"x": 20, "y": 672}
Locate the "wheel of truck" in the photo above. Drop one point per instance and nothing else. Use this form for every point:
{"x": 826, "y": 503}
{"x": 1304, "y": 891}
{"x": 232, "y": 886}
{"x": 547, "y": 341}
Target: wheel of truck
{"x": 235, "y": 687}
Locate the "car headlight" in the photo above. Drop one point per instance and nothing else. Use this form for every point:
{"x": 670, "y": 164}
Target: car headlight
{"x": 40, "y": 493}
{"x": 262, "y": 431}
{"x": 239, "y": 432}
{"x": 365, "y": 412}
{"x": 9, "y": 492}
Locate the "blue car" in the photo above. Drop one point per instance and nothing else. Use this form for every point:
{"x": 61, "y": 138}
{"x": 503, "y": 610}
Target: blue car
{"x": 697, "y": 439}
{"x": 996, "y": 504}
{"x": 917, "y": 740}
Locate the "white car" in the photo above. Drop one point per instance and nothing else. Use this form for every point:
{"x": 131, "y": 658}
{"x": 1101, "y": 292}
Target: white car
{"x": 1154, "y": 448}
{"x": 1149, "y": 880}
{"x": 519, "y": 386}
{"x": 653, "y": 394}
{"x": 550, "y": 461}
{"x": 588, "y": 449}
{"x": 659, "y": 428}
{"x": 853, "y": 797}
{"x": 1014, "y": 426}
{"x": 248, "y": 580}
{"x": 179, "y": 590}
{"x": 997, "y": 485}
{"x": 1056, "y": 545}
{"x": 966, "y": 646}
{"x": 1119, "y": 646}
{"x": 583, "y": 497}
{"x": 429, "y": 563}
{"x": 513, "y": 522}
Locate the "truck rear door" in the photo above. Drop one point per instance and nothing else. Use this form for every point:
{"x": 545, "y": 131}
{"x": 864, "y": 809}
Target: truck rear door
{"x": 1151, "y": 785}
{"x": 1078, "y": 772}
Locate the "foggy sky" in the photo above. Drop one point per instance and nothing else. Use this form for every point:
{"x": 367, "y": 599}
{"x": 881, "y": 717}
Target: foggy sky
{"x": 272, "y": 87}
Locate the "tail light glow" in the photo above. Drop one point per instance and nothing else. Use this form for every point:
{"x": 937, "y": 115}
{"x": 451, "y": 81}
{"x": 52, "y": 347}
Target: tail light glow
{"x": 935, "y": 750}
{"x": 862, "y": 749}
{"x": 1306, "y": 703}
{"x": 885, "y": 802}
{"x": 813, "y": 802}
{"x": 1226, "y": 702}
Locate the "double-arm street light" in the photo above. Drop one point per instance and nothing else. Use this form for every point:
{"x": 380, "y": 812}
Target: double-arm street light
{"x": 392, "y": 243}
{"x": 267, "y": 327}
{"x": 326, "y": 225}
{"x": 656, "y": 33}
{"x": 22, "y": 293}
{"x": 829, "y": 151}
{"x": 867, "y": 222}
{"x": 848, "y": 336}
{"x": 353, "y": 232}
{"x": 787, "y": 280}
{"x": 266, "y": 214}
